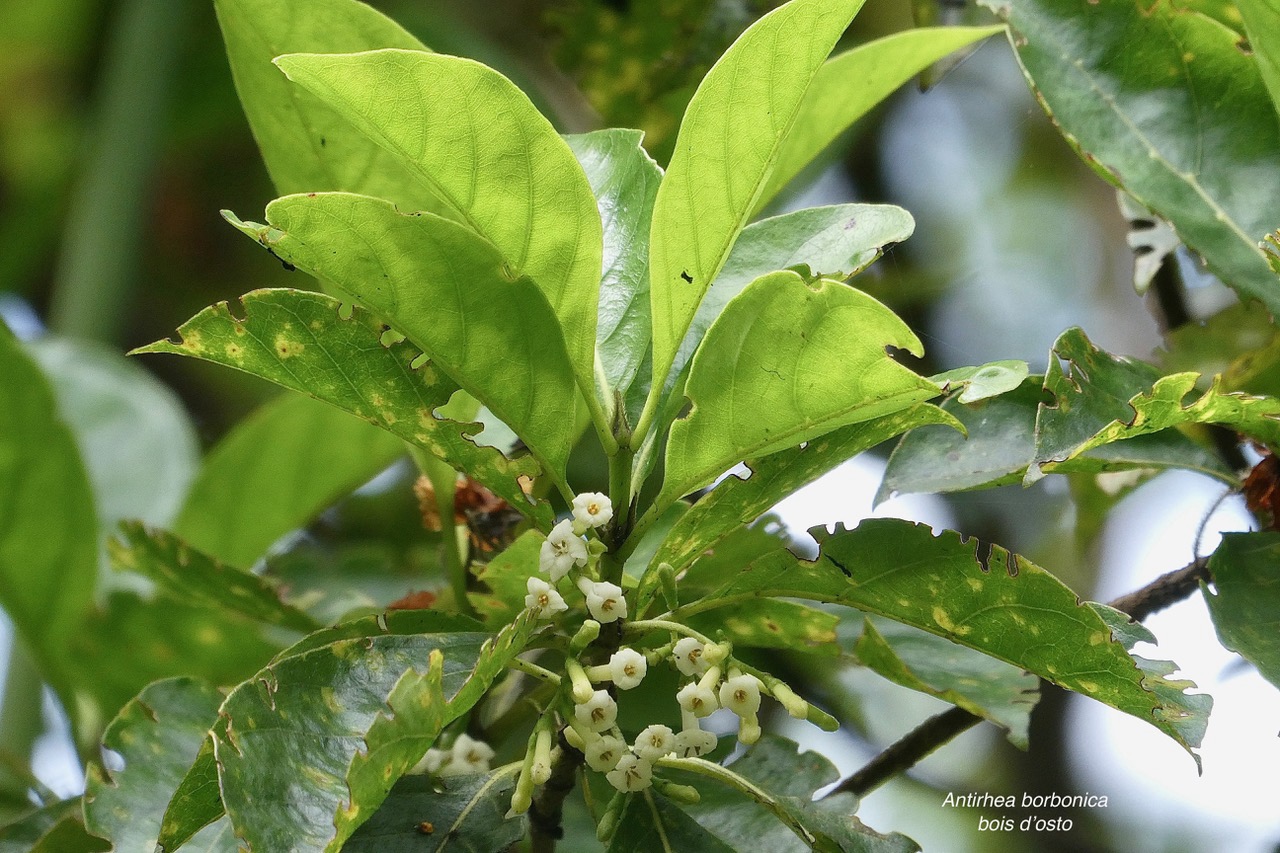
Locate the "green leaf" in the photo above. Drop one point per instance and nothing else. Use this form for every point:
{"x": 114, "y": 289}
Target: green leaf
{"x": 785, "y": 363}
{"x": 135, "y": 438}
{"x": 465, "y": 813}
{"x": 48, "y": 531}
{"x": 650, "y": 822}
{"x": 196, "y": 805}
{"x": 1208, "y": 160}
{"x": 983, "y": 381}
{"x": 850, "y": 84}
{"x": 998, "y": 445}
{"x": 1239, "y": 343}
{"x": 1262, "y": 23}
{"x": 187, "y": 573}
{"x": 835, "y": 242}
{"x": 736, "y": 501}
{"x": 303, "y": 341}
{"x": 158, "y": 736}
{"x": 132, "y": 641}
{"x": 999, "y": 603}
{"x": 307, "y": 145}
{"x": 68, "y": 836}
{"x": 24, "y": 834}
{"x": 727, "y": 147}
{"x": 274, "y": 472}
{"x": 484, "y": 149}
{"x": 980, "y": 684}
{"x": 506, "y": 576}
{"x": 1101, "y": 399}
{"x": 389, "y": 624}
{"x": 1246, "y": 598}
{"x": 625, "y": 180}
{"x": 452, "y": 294}
{"x": 286, "y": 740}
{"x": 773, "y": 624}
{"x": 790, "y": 779}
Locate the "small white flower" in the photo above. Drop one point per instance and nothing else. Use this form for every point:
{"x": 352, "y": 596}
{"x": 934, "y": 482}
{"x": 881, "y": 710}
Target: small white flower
{"x": 432, "y": 761}
{"x": 597, "y": 713}
{"x": 691, "y": 743}
{"x": 604, "y": 752}
{"x": 632, "y": 773}
{"x": 468, "y": 756}
{"x": 604, "y": 600}
{"x": 697, "y": 700}
{"x": 543, "y": 598}
{"x": 688, "y": 657}
{"x": 627, "y": 668}
{"x": 562, "y": 551}
{"x": 741, "y": 695}
{"x": 591, "y": 509}
{"x": 655, "y": 742}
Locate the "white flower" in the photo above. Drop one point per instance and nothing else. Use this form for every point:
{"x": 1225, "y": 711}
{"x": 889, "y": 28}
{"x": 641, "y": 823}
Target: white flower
{"x": 688, "y": 657}
{"x": 468, "y": 756}
{"x": 604, "y": 600}
{"x": 627, "y": 667}
{"x": 591, "y": 509}
{"x": 562, "y": 551}
{"x": 597, "y": 713}
{"x": 604, "y": 752}
{"x": 655, "y": 742}
{"x": 741, "y": 695}
{"x": 543, "y": 598}
{"x": 697, "y": 700}
{"x": 633, "y": 773}
{"x": 432, "y": 761}
{"x": 691, "y": 743}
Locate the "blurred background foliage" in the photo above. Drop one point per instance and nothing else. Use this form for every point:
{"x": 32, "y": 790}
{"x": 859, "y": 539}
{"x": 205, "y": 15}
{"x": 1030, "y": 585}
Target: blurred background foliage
{"x": 121, "y": 138}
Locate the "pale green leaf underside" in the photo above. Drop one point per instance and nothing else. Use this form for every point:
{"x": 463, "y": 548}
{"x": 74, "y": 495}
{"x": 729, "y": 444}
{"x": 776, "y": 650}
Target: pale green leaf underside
{"x": 451, "y": 292}
{"x": 1246, "y": 598}
{"x": 849, "y": 85}
{"x": 1002, "y": 605}
{"x": 728, "y": 145}
{"x": 302, "y": 340}
{"x": 158, "y": 735}
{"x": 198, "y": 578}
{"x": 786, "y": 362}
{"x": 481, "y": 146}
{"x": 982, "y": 381}
{"x": 307, "y": 145}
{"x": 274, "y": 472}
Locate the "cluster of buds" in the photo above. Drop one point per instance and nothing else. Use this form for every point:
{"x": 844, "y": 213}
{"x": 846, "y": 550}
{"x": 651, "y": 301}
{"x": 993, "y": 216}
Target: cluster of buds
{"x": 587, "y": 711}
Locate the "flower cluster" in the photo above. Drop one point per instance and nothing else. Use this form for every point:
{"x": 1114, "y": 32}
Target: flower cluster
{"x": 467, "y": 755}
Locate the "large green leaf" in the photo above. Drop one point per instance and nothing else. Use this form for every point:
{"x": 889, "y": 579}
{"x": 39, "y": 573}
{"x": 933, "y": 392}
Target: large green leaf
{"x": 736, "y": 501}
{"x": 625, "y": 180}
{"x": 25, "y": 834}
{"x": 484, "y": 149}
{"x": 791, "y": 779}
{"x": 466, "y": 813}
{"x": 48, "y": 529}
{"x": 287, "y": 739}
{"x": 1162, "y": 100}
{"x": 785, "y": 363}
{"x": 301, "y": 340}
{"x": 452, "y": 293}
{"x": 196, "y": 804}
{"x": 1262, "y": 23}
{"x": 158, "y": 736}
{"x": 998, "y": 445}
{"x": 1246, "y": 598}
{"x": 196, "y": 577}
{"x": 276, "y": 471}
{"x": 773, "y": 624}
{"x": 727, "y": 148}
{"x": 506, "y": 577}
{"x": 138, "y": 445}
{"x": 307, "y": 145}
{"x": 849, "y": 85}
{"x": 996, "y": 602}
{"x": 650, "y": 822}
{"x": 980, "y": 684}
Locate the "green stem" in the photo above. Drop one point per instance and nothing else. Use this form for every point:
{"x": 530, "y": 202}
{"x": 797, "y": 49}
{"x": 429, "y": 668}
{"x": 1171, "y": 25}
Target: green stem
{"x": 96, "y": 273}
{"x": 642, "y": 625}
{"x": 530, "y": 668}
{"x": 21, "y": 720}
{"x": 723, "y": 774}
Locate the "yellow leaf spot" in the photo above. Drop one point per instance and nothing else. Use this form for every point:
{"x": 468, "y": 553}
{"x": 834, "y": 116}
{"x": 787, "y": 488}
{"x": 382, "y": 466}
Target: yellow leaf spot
{"x": 944, "y": 622}
{"x": 286, "y": 348}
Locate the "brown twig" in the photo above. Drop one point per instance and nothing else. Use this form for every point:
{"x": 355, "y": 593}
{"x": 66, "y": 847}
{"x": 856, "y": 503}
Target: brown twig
{"x": 938, "y": 730}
